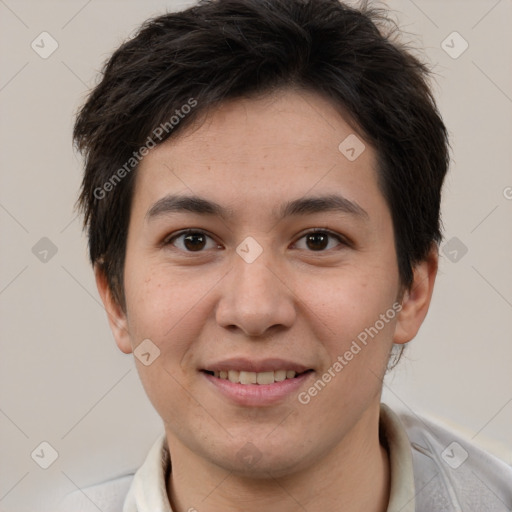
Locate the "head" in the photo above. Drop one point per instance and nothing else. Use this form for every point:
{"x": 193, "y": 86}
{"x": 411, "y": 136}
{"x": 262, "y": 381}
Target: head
{"x": 291, "y": 116}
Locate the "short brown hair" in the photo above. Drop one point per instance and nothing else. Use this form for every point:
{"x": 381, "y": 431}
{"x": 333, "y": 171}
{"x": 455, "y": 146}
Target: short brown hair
{"x": 224, "y": 49}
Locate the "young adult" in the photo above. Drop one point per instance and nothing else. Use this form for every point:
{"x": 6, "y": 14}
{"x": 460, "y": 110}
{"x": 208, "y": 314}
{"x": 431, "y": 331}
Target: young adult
{"x": 262, "y": 195}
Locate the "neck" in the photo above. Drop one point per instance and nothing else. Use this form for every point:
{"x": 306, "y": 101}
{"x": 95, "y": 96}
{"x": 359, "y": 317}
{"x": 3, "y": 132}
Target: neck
{"x": 354, "y": 474}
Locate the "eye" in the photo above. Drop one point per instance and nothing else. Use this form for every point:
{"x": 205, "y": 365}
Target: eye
{"x": 318, "y": 239}
{"x": 192, "y": 240}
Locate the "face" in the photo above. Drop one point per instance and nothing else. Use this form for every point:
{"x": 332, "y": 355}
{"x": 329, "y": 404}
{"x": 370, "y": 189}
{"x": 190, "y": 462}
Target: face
{"x": 293, "y": 275}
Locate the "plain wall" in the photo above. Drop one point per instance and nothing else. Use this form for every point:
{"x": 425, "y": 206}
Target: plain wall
{"x": 62, "y": 378}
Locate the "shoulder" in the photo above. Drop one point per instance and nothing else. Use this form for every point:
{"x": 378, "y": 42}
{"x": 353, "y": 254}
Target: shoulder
{"x": 118, "y": 494}
{"x": 451, "y": 473}
{"x": 107, "y": 496}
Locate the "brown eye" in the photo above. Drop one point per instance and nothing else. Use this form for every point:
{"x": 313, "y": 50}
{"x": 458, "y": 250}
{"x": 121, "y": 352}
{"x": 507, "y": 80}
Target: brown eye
{"x": 191, "y": 241}
{"x": 318, "y": 240}
{"x": 194, "y": 241}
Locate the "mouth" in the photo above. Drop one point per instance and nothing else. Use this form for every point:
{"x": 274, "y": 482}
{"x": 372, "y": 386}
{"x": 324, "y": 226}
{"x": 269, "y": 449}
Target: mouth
{"x": 250, "y": 383}
{"x": 256, "y": 378}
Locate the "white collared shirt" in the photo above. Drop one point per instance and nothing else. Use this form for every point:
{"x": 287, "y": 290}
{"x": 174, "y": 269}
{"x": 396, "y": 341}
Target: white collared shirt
{"x": 432, "y": 470}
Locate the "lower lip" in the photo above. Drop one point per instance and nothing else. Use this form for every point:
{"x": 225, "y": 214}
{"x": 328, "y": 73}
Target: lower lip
{"x": 254, "y": 395}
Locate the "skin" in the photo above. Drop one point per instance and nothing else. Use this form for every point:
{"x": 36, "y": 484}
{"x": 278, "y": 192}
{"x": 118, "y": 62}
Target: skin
{"x": 292, "y": 302}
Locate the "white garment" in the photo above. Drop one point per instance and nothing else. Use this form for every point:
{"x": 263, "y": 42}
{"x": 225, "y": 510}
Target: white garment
{"x": 432, "y": 470}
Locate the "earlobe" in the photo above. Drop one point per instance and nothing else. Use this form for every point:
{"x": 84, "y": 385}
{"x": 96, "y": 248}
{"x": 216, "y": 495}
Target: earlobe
{"x": 416, "y": 299}
{"x": 116, "y": 316}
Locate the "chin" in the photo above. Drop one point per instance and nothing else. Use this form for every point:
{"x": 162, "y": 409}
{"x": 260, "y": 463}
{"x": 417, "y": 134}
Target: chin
{"x": 262, "y": 460}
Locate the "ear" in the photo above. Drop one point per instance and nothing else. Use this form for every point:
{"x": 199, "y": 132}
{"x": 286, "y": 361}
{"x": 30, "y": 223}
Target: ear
{"x": 416, "y": 299}
{"x": 116, "y": 316}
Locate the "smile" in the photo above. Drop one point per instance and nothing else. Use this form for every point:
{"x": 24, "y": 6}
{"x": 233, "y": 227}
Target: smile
{"x": 247, "y": 377}
{"x": 250, "y": 388}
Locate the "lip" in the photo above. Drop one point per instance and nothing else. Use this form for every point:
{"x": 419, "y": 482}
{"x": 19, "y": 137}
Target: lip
{"x": 258, "y": 395}
{"x": 248, "y": 365}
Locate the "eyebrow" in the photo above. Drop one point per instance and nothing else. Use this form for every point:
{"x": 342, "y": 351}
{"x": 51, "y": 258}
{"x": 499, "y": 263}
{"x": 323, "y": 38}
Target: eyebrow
{"x": 303, "y": 206}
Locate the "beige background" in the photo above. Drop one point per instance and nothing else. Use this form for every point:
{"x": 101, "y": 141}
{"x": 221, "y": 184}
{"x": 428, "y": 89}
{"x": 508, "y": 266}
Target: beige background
{"x": 62, "y": 379}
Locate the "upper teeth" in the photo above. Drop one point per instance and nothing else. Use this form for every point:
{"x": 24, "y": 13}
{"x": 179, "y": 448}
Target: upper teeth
{"x": 243, "y": 377}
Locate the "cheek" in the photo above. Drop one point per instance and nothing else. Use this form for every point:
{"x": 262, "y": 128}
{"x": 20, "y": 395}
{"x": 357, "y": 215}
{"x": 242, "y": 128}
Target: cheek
{"x": 347, "y": 304}
{"x": 163, "y": 308}
{"x": 355, "y": 320}
{"x": 159, "y": 301}
{"x": 356, "y": 342}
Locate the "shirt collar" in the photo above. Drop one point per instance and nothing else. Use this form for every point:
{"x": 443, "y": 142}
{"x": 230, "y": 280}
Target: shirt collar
{"x": 148, "y": 491}
{"x": 394, "y": 436}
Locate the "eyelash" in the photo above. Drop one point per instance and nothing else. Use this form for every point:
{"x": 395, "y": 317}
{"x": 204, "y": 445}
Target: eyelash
{"x": 343, "y": 241}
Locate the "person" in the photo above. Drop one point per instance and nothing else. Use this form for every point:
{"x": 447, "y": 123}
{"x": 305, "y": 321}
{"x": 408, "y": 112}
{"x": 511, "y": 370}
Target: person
{"x": 262, "y": 195}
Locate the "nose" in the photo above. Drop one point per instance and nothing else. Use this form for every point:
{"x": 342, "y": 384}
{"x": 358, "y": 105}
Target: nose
{"x": 256, "y": 297}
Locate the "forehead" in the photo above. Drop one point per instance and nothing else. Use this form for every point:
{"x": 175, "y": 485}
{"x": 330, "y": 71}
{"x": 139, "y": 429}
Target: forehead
{"x": 285, "y": 119}
{"x": 289, "y": 144}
